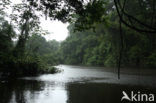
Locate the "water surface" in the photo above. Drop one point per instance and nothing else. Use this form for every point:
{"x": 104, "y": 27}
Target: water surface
{"x": 76, "y": 84}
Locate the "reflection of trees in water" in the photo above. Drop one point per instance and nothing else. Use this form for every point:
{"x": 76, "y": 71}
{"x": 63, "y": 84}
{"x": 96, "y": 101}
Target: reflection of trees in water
{"x": 100, "y": 93}
{"x": 24, "y": 91}
{"x": 17, "y": 90}
{"x": 6, "y": 93}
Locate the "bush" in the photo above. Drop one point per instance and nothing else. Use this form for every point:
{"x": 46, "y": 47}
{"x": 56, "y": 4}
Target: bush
{"x": 151, "y": 60}
{"x": 24, "y": 66}
{"x": 50, "y": 69}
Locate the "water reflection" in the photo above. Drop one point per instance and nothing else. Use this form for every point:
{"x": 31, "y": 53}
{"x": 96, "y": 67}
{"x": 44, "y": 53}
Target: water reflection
{"x": 26, "y": 91}
{"x": 74, "y": 85}
{"x": 101, "y": 93}
{"x": 17, "y": 91}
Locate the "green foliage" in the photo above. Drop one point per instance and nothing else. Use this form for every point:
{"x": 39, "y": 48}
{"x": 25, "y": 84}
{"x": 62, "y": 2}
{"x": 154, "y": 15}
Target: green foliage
{"x": 47, "y": 50}
{"x": 34, "y": 53}
{"x": 51, "y": 70}
{"x": 102, "y": 47}
{"x": 151, "y": 60}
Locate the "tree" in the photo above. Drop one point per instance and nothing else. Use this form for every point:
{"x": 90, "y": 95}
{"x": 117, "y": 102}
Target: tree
{"x": 146, "y": 7}
{"x": 27, "y": 21}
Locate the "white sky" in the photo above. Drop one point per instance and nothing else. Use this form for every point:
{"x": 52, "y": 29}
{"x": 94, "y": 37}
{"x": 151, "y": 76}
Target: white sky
{"x": 57, "y": 29}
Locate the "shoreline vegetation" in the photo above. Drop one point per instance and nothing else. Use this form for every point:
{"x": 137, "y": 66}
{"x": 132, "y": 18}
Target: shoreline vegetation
{"x": 22, "y": 68}
{"x": 25, "y": 73}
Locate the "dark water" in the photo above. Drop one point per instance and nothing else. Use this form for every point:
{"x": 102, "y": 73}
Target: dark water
{"x": 76, "y": 84}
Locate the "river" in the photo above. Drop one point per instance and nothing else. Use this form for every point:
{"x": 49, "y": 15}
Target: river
{"x": 76, "y": 84}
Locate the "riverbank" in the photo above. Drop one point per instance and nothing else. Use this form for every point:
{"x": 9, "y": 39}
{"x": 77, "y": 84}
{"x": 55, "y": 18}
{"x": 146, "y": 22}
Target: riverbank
{"x": 24, "y": 73}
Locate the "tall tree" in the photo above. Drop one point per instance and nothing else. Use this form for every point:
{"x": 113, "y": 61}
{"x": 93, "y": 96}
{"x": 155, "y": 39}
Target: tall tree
{"x": 27, "y": 21}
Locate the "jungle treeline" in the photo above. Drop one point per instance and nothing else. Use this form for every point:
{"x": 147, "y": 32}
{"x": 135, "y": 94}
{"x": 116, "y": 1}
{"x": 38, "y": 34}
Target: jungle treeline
{"x": 88, "y": 42}
{"x": 100, "y": 46}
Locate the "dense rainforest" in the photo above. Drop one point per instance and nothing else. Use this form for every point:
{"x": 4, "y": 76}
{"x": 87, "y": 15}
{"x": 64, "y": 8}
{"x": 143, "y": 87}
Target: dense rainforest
{"x": 94, "y": 36}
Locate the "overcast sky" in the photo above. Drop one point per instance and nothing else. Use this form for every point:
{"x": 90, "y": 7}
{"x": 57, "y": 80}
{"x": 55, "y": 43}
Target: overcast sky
{"x": 57, "y": 29}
